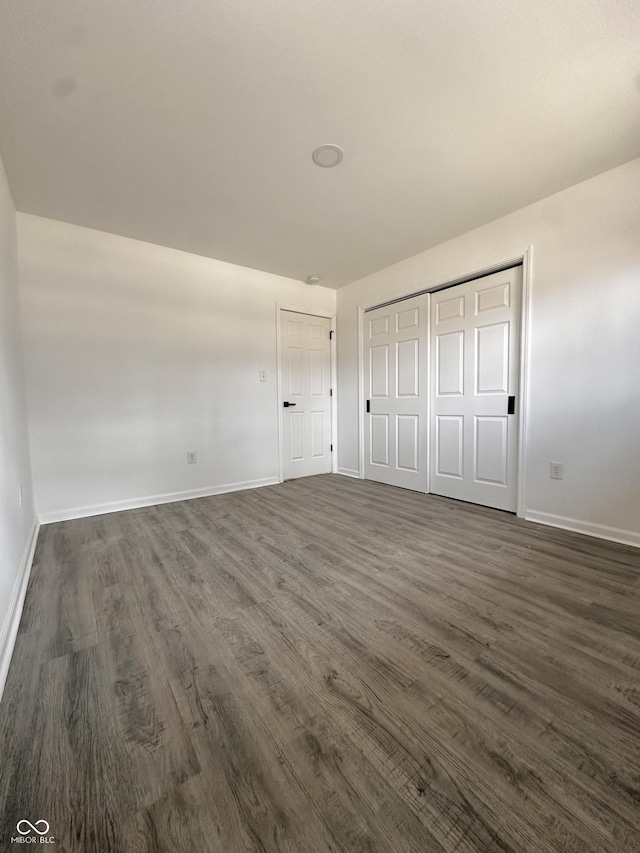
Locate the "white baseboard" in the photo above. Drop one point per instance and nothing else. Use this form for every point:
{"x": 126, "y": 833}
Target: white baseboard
{"x": 153, "y": 500}
{"x": 12, "y": 622}
{"x": 349, "y": 472}
{"x": 601, "y": 531}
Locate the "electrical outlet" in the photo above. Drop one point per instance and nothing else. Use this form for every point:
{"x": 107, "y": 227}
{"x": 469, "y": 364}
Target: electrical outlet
{"x": 191, "y": 457}
{"x": 557, "y": 471}
{"x": 263, "y": 376}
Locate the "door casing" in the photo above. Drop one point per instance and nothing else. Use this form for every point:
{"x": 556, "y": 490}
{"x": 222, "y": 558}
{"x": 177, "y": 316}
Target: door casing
{"x": 496, "y": 264}
{"x": 332, "y": 317}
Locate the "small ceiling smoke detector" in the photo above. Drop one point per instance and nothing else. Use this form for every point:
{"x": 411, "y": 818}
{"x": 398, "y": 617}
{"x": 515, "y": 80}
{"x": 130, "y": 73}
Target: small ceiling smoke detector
{"x": 327, "y": 156}
{"x": 313, "y": 279}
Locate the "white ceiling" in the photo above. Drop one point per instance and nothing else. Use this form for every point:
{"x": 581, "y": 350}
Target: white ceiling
{"x": 191, "y": 123}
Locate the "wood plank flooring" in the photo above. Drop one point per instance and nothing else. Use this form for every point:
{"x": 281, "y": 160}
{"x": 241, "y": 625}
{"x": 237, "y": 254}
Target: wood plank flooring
{"x": 325, "y": 665}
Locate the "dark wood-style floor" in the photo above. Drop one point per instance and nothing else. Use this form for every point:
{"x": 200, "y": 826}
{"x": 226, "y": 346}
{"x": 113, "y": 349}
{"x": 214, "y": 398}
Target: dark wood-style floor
{"x": 326, "y": 665}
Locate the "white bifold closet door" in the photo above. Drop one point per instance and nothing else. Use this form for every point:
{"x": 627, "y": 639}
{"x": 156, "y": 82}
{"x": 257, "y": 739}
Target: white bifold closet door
{"x": 475, "y": 341}
{"x": 395, "y": 378}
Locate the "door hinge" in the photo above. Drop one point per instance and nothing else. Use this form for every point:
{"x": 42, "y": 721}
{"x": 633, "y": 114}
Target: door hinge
{"x": 332, "y": 448}
{"x": 331, "y": 392}
{"x": 331, "y": 334}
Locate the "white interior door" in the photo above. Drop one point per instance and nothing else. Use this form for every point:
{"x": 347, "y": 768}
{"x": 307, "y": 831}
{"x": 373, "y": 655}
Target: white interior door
{"x": 395, "y": 372}
{"x": 305, "y": 378}
{"x": 475, "y": 342}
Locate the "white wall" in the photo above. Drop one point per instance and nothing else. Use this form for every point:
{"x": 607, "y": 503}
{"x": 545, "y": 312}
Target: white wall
{"x": 137, "y": 353}
{"x": 584, "y": 388}
{"x": 17, "y": 523}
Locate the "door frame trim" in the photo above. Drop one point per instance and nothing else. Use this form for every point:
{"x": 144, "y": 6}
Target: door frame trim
{"x": 493, "y": 265}
{"x": 333, "y": 379}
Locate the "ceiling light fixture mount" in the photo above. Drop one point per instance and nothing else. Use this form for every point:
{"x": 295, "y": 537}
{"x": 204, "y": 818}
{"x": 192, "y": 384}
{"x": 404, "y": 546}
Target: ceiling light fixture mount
{"x": 327, "y": 156}
{"x": 313, "y": 279}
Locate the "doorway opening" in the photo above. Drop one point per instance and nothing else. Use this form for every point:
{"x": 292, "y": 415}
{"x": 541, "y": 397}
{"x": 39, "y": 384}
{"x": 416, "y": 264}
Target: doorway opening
{"x": 305, "y": 394}
{"x": 443, "y": 389}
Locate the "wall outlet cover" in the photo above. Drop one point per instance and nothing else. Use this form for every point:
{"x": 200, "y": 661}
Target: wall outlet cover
{"x": 556, "y": 470}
